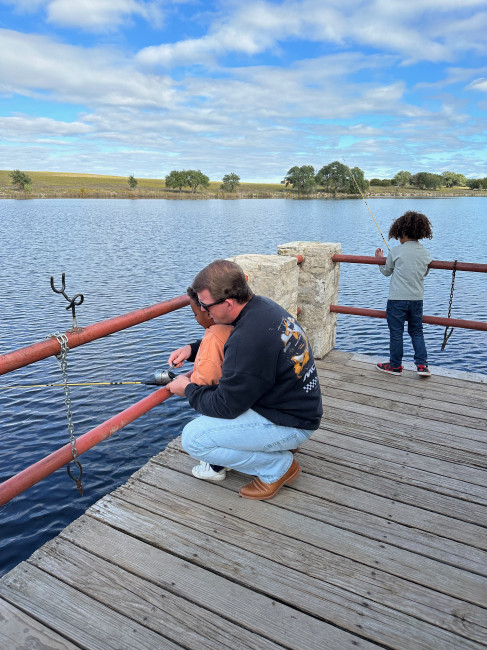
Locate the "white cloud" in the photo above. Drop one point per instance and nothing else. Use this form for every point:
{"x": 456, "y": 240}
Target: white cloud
{"x": 478, "y": 84}
{"x": 393, "y": 26}
{"x": 94, "y": 15}
{"x": 23, "y": 127}
{"x": 105, "y": 15}
{"x": 38, "y": 67}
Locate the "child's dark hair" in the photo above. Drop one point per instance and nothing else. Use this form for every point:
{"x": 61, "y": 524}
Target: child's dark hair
{"x": 192, "y": 294}
{"x": 413, "y": 225}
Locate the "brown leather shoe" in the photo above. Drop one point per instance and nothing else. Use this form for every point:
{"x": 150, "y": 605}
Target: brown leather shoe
{"x": 261, "y": 491}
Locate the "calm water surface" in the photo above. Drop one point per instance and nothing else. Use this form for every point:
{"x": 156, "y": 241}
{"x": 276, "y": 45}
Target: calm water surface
{"x": 124, "y": 255}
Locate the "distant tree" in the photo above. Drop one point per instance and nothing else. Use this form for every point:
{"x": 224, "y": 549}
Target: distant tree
{"x": 302, "y": 178}
{"x": 426, "y": 181}
{"x": 402, "y": 179}
{"x": 176, "y": 180}
{"x": 337, "y": 177}
{"x": 477, "y": 183}
{"x": 195, "y": 179}
{"x": 381, "y": 182}
{"x": 133, "y": 182}
{"x": 20, "y": 179}
{"x": 450, "y": 179}
{"x": 230, "y": 182}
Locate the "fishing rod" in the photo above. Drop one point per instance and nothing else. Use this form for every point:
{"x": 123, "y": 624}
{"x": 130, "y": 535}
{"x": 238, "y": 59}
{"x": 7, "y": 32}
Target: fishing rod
{"x": 358, "y": 187}
{"x": 160, "y": 378}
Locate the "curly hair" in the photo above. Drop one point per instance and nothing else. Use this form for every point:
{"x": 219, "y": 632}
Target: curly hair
{"x": 223, "y": 279}
{"x": 413, "y": 225}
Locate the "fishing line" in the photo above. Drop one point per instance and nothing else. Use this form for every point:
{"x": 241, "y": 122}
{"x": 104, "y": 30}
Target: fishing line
{"x": 358, "y": 187}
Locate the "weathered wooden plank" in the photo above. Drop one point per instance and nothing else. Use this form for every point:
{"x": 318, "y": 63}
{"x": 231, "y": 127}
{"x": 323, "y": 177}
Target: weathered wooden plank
{"x": 352, "y": 360}
{"x": 419, "y": 401}
{"x": 300, "y": 590}
{"x": 462, "y": 393}
{"x": 400, "y": 474}
{"x": 471, "y": 485}
{"x": 337, "y": 539}
{"x": 274, "y": 619}
{"x": 392, "y": 410}
{"x": 19, "y": 631}
{"x": 180, "y": 620}
{"x": 301, "y": 547}
{"x": 313, "y": 456}
{"x": 416, "y": 439}
{"x": 80, "y": 619}
{"x": 375, "y": 516}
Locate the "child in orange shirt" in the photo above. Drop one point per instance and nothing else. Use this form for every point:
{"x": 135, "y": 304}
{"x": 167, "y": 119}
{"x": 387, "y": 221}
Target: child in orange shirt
{"x": 207, "y": 370}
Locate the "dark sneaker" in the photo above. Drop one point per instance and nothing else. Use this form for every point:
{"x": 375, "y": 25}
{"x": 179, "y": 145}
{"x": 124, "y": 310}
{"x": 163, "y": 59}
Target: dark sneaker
{"x": 424, "y": 371}
{"x": 386, "y": 367}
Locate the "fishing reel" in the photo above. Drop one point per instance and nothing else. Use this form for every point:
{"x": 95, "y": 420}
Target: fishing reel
{"x": 161, "y": 378}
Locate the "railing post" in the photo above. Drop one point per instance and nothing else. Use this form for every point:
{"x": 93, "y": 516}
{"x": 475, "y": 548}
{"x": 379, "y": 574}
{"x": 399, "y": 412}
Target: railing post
{"x": 317, "y": 290}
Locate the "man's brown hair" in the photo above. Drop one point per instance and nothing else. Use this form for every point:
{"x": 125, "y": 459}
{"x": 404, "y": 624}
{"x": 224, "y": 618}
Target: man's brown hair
{"x": 223, "y": 279}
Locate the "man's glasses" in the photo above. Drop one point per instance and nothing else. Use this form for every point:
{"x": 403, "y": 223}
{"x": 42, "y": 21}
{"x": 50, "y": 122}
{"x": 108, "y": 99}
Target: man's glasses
{"x": 206, "y": 307}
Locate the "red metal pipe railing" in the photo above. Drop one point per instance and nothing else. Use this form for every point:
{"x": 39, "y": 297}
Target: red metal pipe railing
{"x": 431, "y": 320}
{"x": 435, "y": 264}
{"x": 46, "y": 466}
{"x": 42, "y": 350}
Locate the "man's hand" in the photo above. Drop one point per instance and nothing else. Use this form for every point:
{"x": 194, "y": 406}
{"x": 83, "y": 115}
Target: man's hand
{"x": 179, "y": 356}
{"x": 178, "y": 386}
{"x": 379, "y": 252}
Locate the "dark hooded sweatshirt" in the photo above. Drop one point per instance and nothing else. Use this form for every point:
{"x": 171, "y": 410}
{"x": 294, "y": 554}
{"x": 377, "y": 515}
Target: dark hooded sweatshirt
{"x": 268, "y": 367}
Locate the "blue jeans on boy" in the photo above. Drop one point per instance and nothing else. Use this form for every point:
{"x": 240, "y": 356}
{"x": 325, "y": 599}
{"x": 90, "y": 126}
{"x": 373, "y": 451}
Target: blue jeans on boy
{"x": 250, "y": 443}
{"x": 398, "y": 312}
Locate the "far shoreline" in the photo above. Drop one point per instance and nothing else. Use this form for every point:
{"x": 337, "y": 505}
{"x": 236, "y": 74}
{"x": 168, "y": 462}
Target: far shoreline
{"x": 58, "y": 185}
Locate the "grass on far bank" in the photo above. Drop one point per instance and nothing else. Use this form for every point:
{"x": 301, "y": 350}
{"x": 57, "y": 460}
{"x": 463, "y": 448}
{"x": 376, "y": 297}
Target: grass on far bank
{"x": 68, "y": 185}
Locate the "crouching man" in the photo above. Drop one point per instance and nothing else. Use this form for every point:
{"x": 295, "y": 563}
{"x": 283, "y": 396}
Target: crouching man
{"x": 268, "y": 400}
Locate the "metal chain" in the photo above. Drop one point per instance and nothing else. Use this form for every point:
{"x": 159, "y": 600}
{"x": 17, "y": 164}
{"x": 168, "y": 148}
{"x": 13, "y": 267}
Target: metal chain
{"x": 62, "y": 339}
{"x": 447, "y": 334}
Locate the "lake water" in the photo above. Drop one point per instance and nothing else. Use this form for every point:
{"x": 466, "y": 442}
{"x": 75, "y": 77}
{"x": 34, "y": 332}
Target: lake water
{"x": 123, "y": 255}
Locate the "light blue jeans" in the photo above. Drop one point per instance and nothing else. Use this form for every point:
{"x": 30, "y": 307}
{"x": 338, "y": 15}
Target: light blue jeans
{"x": 250, "y": 444}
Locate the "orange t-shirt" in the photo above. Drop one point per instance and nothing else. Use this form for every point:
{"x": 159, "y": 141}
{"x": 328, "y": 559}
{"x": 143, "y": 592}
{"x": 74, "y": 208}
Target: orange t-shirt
{"x": 207, "y": 368}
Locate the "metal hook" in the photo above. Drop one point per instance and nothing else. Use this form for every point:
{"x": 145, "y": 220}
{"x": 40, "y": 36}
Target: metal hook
{"x": 72, "y": 301}
{"x": 79, "y": 485}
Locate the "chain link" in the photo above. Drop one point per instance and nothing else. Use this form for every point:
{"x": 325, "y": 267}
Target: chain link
{"x": 447, "y": 334}
{"x": 62, "y": 359}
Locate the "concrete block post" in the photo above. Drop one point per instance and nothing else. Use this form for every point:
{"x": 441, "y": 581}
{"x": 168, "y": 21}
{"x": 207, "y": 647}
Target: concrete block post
{"x": 273, "y": 276}
{"x": 317, "y": 290}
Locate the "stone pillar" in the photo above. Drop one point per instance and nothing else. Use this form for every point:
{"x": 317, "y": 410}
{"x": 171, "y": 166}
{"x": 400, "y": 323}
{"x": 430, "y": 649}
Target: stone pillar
{"x": 273, "y": 276}
{"x": 317, "y": 290}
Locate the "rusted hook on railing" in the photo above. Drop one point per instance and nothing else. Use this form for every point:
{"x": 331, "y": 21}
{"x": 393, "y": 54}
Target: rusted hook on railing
{"x": 79, "y": 485}
{"x": 72, "y": 301}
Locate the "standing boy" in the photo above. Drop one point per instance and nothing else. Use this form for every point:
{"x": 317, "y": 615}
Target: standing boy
{"x": 408, "y": 266}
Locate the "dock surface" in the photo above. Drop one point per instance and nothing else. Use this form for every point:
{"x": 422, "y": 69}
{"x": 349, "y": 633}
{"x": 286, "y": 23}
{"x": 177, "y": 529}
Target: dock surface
{"x": 380, "y": 543}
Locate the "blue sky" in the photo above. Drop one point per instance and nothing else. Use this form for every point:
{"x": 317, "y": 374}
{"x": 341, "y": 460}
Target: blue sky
{"x": 143, "y": 87}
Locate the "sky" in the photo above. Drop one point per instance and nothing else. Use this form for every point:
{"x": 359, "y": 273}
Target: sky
{"x": 252, "y": 87}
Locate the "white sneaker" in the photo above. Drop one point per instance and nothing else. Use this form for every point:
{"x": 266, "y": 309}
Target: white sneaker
{"x": 205, "y": 472}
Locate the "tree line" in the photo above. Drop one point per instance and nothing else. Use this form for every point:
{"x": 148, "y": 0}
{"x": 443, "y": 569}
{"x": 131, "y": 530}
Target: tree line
{"x": 334, "y": 178}
{"x": 338, "y": 178}
{"x": 428, "y": 181}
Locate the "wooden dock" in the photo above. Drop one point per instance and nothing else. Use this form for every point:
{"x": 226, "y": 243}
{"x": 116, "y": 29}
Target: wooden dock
{"x": 379, "y": 544}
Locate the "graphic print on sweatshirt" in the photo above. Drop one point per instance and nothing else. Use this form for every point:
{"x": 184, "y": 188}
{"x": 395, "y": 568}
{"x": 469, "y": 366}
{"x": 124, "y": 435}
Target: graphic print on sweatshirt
{"x": 296, "y": 344}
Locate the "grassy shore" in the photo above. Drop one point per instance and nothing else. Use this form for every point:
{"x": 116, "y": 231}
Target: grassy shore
{"x": 52, "y": 185}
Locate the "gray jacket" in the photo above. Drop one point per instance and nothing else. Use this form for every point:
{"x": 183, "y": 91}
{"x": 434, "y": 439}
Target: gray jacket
{"x": 408, "y": 265}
